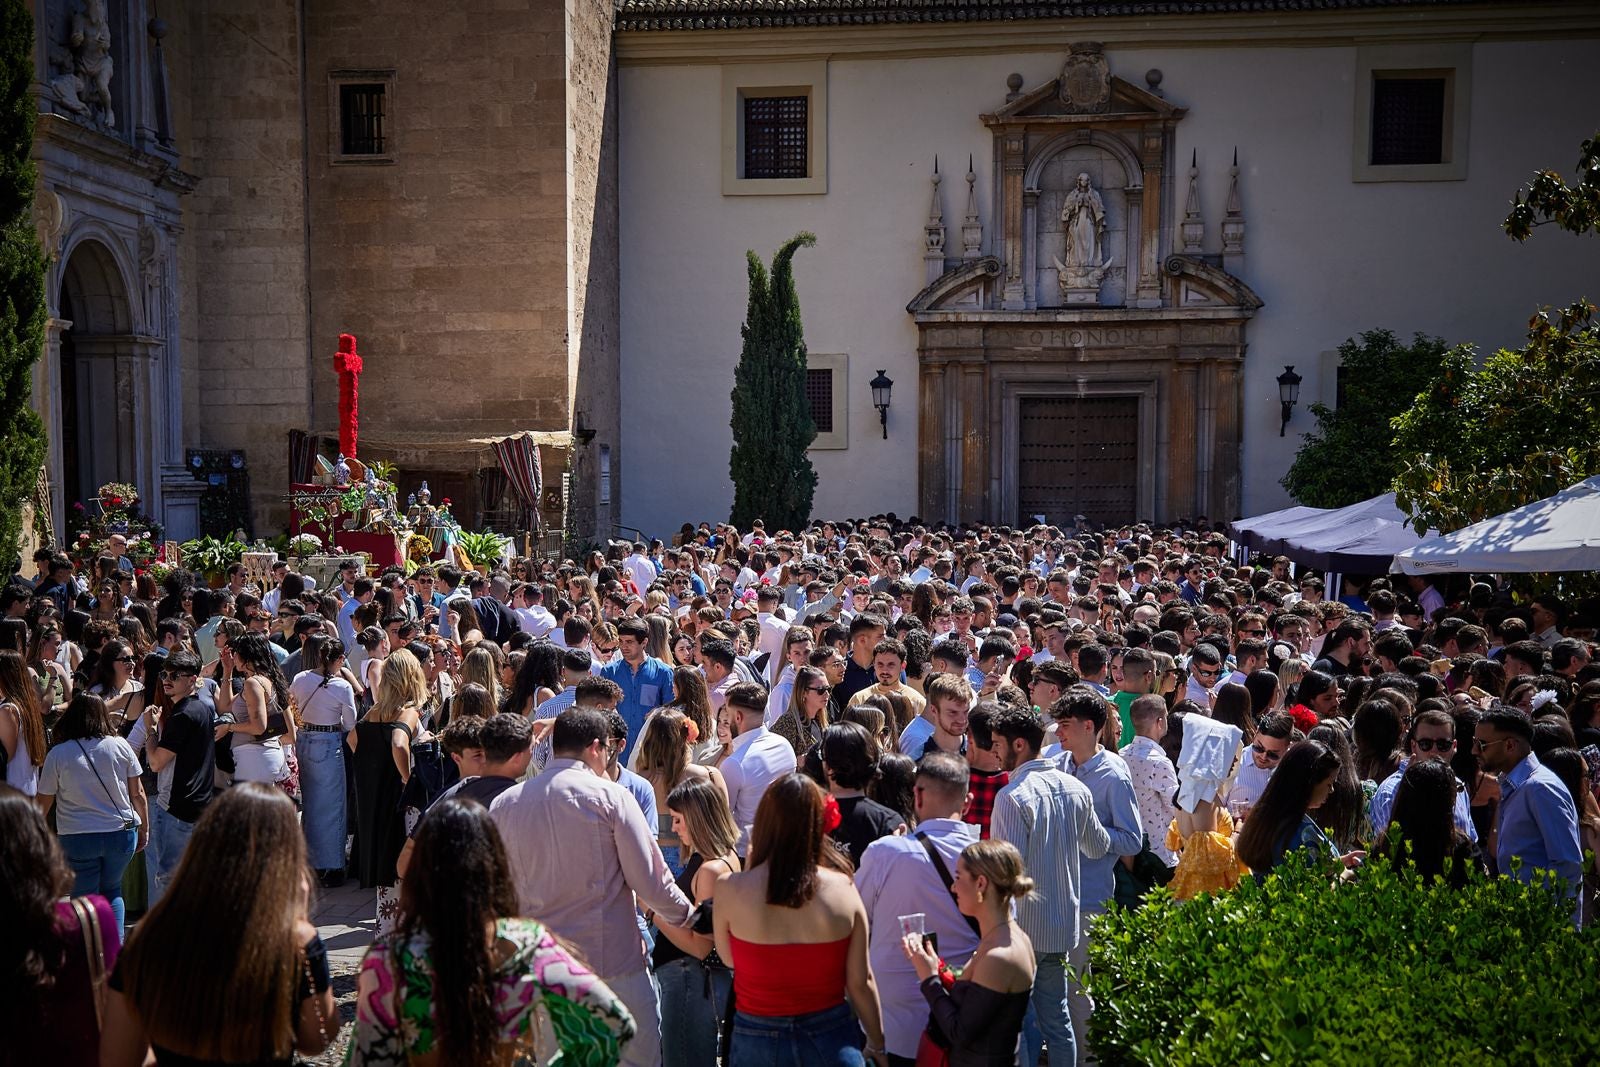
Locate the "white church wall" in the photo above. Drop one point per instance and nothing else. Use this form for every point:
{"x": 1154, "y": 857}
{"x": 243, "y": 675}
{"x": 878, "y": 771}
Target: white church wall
{"x": 1329, "y": 256}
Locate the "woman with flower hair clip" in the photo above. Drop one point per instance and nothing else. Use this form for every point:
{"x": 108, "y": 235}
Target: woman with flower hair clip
{"x": 666, "y": 746}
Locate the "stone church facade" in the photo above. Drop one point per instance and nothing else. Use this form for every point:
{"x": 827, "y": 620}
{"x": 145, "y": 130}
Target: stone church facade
{"x": 1082, "y": 239}
{"x": 254, "y": 179}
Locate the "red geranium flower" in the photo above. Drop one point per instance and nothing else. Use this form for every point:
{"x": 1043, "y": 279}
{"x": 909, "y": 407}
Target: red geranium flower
{"x": 831, "y": 816}
{"x": 1304, "y": 718}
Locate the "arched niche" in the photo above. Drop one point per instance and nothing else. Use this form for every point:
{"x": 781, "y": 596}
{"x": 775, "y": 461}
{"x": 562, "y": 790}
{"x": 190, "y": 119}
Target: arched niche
{"x": 1115, "y": 173}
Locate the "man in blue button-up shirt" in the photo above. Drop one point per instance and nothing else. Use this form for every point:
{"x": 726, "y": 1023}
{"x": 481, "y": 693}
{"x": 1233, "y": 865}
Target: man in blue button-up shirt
{"x": 1081, "y": 715}
{"x": 1049, "y": 815}
{"x": 646, "y": 682}
{"x": 1538, "y": 820}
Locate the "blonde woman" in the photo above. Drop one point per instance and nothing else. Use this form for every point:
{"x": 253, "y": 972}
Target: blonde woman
{"x": 980, "y": 1016}
{"x": 659, "y": 643}
{"x": 479, "y": 668}
{"x": 381, "y": 744}
{"x": 695, "y": 984}
{"x": 665, "y": 748}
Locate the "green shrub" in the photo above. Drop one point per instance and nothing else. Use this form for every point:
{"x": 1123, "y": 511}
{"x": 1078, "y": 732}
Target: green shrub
{"x": 1384, "y": 968}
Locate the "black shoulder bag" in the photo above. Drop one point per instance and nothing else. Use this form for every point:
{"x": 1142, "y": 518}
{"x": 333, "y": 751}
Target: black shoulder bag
{"x": 944, "y": 876}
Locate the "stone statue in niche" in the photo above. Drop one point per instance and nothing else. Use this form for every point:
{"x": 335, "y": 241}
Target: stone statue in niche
{"x": 82, "y": 69}
{"x": 1083, "y": 220}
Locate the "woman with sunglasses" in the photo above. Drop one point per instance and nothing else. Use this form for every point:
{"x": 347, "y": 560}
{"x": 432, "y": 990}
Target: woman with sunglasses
{"x": 806, "y": 717}
{"x": 116, "y": 681}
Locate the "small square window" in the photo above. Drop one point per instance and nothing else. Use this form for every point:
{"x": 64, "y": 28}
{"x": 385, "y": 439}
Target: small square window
{"x": 775, "y": 136}
{"x": 1409, "y": 119}
{"x": 361, "y": 115}
{"x": 819, "y": 395}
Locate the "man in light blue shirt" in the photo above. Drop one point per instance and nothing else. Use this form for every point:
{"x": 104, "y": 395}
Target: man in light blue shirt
{"x": 898, "y": 877}
{"x": 1538, "y": 821}
{"x": 362, "y": 593}
{"x": 1433, "y": 736}
{"x": 1081, "y": 716}
{"x": 1049, "y": 815}
{"x": 646, "y": 682}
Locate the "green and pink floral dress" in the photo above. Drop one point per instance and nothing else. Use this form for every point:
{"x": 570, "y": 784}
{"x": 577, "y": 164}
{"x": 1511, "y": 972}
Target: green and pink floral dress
{"x": 553, "y": 1010}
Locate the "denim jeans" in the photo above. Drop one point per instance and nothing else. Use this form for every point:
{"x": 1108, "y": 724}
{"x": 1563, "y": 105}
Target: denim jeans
{"x": 169, "y": 836}
{"x": 693, "y": 1002}
{"x": 1048, "y": 1021}
{"x": 638, "y": 993}
{"x": 1079, "y": 1004}
{"x": 830, "y": 1038}
{"x": 97, "y": 862}
{"x": 322, "y": 816}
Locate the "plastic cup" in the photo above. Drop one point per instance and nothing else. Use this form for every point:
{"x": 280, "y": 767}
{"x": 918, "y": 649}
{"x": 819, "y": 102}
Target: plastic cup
{"x": 915, "y": 923}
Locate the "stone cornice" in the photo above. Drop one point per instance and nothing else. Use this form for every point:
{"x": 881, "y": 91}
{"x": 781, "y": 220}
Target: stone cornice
{"x": 1534, "y": 20}
{"x": 98, "y": 147}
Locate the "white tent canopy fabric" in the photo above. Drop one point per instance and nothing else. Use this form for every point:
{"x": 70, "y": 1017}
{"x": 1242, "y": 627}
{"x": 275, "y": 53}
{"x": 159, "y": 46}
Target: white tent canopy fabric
{"x": 1558, "y": 533}
{"x": 1360, "y": 538}
{"x": 1253, "y": 531}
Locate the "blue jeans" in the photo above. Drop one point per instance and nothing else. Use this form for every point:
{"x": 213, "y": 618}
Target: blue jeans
{"x": 98, "y": 861}
{"x": 674, "y": 857}
{"x": 169, "y": 836}
{"x": 830, "y": 1038}
{"x": 693, "y": 1002}
{"x": 1048, "y": 1020}
{"x": 322, "y": 797}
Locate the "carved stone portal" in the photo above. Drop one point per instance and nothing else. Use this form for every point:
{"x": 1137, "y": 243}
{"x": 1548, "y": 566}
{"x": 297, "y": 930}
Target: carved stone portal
{"x": 1084, "y": 319}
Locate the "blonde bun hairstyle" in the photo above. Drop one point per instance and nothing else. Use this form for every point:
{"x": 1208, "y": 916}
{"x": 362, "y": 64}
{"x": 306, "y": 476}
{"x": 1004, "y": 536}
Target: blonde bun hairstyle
{"x": 1001, "y": 864}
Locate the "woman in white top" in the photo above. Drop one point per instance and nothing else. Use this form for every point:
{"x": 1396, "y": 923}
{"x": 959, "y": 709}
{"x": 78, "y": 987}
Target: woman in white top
{"x": 260, "y": 712}
{"x": 374, "y": 642}
{"x": 92, "y": 776}
{"x": 21, "y": 724}
{"x": 327, "y": 711}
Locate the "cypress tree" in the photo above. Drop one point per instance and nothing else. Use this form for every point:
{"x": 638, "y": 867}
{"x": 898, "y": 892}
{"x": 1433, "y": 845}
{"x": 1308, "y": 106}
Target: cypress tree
{"x": 21, "y": 277}
{"x": 772, "y": 476}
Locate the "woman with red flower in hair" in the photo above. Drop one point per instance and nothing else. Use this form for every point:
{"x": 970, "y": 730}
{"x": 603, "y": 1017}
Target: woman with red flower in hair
{"x": 795, "y": 931}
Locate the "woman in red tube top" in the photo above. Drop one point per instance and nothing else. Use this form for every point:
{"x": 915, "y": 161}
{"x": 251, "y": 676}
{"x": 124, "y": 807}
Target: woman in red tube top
{"x": 795, "y": 932}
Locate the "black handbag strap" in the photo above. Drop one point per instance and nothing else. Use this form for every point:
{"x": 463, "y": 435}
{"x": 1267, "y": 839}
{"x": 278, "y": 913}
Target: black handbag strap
{"x": 102, "y": 781}
{"x": 944, "y": 876}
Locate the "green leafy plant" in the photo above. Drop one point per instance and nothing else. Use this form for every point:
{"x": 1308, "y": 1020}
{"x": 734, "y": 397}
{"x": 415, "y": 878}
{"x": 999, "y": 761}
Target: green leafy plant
{"x": 211, "y": 556}
{"x": 1548, "y": 199}
{"x": 1300, "y": 970}
{"x": 773, "y": 479}
{"x": 1344, "y": 461}
{"x": 22, "y": 269}
{"x": 482, "y": 549}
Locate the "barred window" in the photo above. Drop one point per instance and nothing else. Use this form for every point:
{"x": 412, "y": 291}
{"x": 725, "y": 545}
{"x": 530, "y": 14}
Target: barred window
{"x": 361, "y": 117}
{"x": 1408, "y": 120}
{"x": 775, "y": 133}
{"x": 819, "y": 395}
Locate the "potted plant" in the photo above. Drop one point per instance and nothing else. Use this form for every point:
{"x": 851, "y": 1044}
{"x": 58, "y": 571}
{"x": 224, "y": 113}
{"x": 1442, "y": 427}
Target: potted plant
{"x": 482, "y": 550}
{"x": 212, "y": 557}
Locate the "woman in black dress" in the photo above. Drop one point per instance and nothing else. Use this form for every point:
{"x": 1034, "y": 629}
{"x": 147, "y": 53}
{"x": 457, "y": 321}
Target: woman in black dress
{"x": 978, "y": 1017}
{"x": 380, "y": 764}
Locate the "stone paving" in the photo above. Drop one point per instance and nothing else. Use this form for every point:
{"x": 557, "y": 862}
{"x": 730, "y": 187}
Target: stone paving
{"x": 345, "y": 917}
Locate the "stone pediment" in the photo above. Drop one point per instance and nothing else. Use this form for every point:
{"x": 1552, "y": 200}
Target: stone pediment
{"x": 1085, "y": 93}
{"x": 964, "y": 289}
{"x": 1194, "y": 283}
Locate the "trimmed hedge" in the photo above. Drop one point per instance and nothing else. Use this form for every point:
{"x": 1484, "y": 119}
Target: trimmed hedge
{"x": 1382, "y": 968}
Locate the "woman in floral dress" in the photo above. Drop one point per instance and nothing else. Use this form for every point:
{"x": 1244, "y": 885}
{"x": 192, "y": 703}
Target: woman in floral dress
{"x": 462, "y": 980}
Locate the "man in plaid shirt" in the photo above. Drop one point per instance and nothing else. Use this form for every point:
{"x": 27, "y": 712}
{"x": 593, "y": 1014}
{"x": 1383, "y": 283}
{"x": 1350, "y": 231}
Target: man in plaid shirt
{"x": 985, "y": 776}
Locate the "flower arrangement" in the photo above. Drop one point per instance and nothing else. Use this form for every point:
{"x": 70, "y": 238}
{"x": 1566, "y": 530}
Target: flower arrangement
{"x": 89, "y": 530}
{"x": 119, "y": 495}
{"x": 305, "y": 544}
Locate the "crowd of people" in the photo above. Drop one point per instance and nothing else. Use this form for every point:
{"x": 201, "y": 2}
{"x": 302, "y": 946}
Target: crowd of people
{"x": 850, "y": 794}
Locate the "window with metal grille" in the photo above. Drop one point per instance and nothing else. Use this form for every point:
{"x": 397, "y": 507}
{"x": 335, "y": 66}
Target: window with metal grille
{"x": 819, "y": 394}
{"x": 361, "y": 115}
{"x": 775, "y": 131}
{"x": 1408, "y": 120}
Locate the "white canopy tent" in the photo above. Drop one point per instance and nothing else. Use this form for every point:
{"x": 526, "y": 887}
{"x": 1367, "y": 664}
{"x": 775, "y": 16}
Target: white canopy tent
{"x": 1558, "y": 533}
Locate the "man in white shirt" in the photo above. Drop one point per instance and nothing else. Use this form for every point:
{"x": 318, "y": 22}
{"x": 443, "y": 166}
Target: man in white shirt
{"x": 1274, "y": 734}
{"x": 756, "y": 759}
{"x": 797, "y": 645}
{"x": 527, "y": 604}
{"x": 639, "y": 568}
{"x": 1155, "y": 780}
{"x": 774, "y": 628}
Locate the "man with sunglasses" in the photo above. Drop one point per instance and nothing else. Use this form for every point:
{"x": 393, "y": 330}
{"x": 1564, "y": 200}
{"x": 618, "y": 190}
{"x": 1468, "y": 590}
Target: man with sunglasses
{"x": 1432, "y": 736}
{"x": 180, "y": 749}
{"x": 1538, "y": 826}
{"x": 1274, "y": 734}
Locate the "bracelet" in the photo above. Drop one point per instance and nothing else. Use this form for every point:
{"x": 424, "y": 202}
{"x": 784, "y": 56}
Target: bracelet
{"x": 870, "y": 1051}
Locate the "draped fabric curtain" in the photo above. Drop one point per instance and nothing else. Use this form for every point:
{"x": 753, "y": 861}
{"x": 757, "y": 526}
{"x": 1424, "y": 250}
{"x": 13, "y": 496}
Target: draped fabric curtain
{"x": 302, "y": 457}
{"x": 492, "y": 482}
{"x": 518, "y": 456}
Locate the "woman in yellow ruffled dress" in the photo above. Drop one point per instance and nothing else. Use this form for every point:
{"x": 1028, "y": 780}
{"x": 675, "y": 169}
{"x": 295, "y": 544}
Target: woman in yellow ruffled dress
{"x": 1208, "y": 863}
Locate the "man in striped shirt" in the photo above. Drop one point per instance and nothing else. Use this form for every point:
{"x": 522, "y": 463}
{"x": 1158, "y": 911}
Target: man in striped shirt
{"x": 1049, "y": 815}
